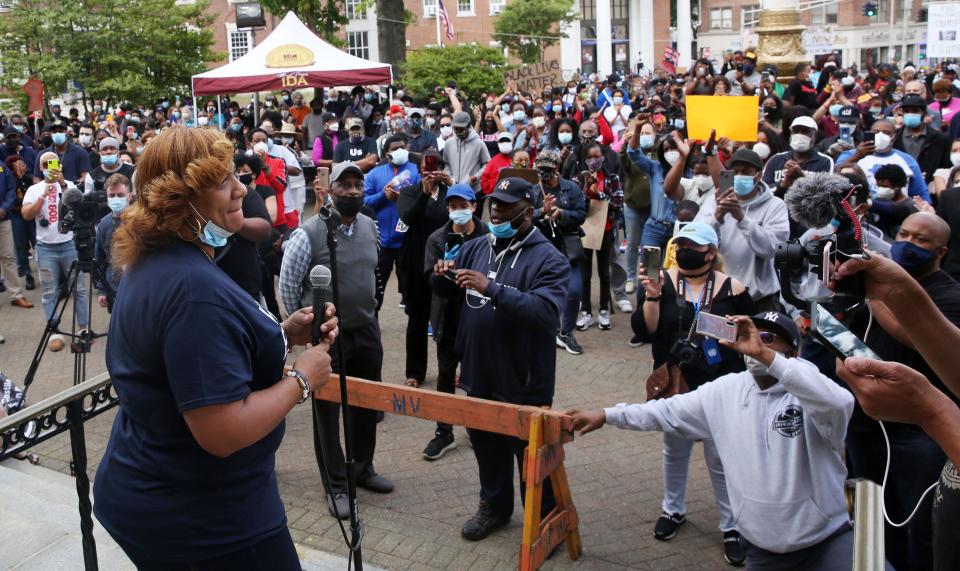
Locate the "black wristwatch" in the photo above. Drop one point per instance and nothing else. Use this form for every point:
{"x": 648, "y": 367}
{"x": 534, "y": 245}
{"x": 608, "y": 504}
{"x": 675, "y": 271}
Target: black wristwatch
{"x": 304, "y": 384}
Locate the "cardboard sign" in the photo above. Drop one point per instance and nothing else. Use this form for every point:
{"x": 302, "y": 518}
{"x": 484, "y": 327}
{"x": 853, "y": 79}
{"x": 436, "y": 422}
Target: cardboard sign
{"x": 534, "y": 77}
{"x": 734, "y": 117}
{"x": 595, "y": 224}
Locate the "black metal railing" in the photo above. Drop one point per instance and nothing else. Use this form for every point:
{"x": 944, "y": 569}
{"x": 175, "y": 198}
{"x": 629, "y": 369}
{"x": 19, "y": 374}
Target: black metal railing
{"x": 65, "y": 411}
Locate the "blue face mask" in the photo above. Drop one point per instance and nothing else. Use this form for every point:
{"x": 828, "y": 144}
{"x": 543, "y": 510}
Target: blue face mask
{"x": 212, "y": 234}
{"x": 743, "y": 184}
{"x": 236, "y": 127}
{"x": 109, "y": 160}
{"x": 912, "y": 120}
{"x": 504, "y": 229}
{"x": 461, "y": 217}
{"x": 911, "y": 256}
{"x": 835, "y": 109}
{"x": 679, "y": 123}
{"x": 59, "y": 138}
{"x": 565, "y": 137}
{"x": 46, "y": 174}
{"x": 117, "y": 203}
{"x": 646, "y": 142}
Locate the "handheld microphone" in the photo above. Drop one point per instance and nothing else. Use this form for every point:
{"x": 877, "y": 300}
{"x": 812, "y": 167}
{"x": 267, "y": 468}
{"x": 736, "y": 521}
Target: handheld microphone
{"x": 320, "y": 277}
{"x": 813, "y": 199}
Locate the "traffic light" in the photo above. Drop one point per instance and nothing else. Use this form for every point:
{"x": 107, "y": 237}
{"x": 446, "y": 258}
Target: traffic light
{"x": 870, "y": 9}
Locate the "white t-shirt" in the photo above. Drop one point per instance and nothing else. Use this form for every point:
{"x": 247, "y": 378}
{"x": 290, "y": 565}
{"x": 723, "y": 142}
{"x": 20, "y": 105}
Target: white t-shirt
{"x": 691, "y": 192}
{"x": 50, "y": 211}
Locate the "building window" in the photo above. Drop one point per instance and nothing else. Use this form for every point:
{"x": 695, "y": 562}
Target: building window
{"x": 619, "y": 10}
{"x": 721, "y": 18}
{"x": 239, "y": 42}
{"x": 356, "y": 10}
{"x": 749, "y": 16}
{"x": 357, "y": 45}
{"x": 429, "y": 8}
{"x": 496, "y": 6}
{"x": 824, "y": 14}
{"x": 883, "y": 11}
{"x": 464, "y": 7}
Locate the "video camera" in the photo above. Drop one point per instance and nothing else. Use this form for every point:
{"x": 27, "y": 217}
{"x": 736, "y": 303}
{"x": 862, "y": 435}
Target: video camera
{"x": 80, "y": 213}
{"x": 819, "y": 200}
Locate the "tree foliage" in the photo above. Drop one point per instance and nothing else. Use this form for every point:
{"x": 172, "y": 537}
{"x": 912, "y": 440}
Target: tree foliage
{"x": 527, "y": 27}
{"x": 118, "y": 50}
{"x": 476, "y": 69}
{"x": 324, "y": 17}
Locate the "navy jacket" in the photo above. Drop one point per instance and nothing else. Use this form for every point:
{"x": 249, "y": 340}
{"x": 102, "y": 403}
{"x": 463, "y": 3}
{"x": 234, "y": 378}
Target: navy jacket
{"x": 506, "y": 338}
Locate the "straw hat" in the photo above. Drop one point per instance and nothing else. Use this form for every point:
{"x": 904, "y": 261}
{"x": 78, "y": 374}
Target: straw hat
{"x": 289, "y": 129}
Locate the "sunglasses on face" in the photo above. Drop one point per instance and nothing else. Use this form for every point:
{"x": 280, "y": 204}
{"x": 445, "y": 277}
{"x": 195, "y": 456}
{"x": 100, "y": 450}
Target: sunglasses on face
{"x": 767, "y": 338}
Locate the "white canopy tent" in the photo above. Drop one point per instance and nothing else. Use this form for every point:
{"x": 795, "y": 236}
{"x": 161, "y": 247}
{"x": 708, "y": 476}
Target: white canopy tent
{"x": 291, "y": 57}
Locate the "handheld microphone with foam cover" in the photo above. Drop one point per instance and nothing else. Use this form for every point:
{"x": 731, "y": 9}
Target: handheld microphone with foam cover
{"x": 320, "y": 277}
{"x": 813, "y": 199}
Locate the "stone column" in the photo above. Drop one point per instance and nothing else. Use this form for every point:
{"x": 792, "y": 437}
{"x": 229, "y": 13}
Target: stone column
{"x": 604, "y": 38}
{"x": 781, "y": 43}
{"x": 684, "y": 34}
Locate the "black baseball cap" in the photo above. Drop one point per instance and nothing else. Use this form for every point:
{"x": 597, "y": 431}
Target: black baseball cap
{"x": 848, "y": 114}
{"x": 780, "y": 324}
{"x": 745, "y": 155}
{"x": 511, "y": 190}
{"x": 913, "y": 101}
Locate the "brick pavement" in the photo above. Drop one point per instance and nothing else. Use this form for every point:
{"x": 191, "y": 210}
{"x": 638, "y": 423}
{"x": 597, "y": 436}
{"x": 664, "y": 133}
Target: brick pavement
{"x": 615, "y": 476}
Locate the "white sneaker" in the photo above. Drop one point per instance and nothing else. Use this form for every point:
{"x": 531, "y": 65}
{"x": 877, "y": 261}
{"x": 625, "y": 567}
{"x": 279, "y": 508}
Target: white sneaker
{"x": 625, "y": 305}
{"x": 584, "y": 321}
{"x": 631, "y": 286}
{"x": 604, "y": 319}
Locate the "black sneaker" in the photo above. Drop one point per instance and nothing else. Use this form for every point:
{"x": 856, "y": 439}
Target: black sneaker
{"x": 439, "y": 446}
{"x": 635, "y": 341}
{"x": 30, "y": 283}
{"x": 733, "y": 549}
{"x": 667, "y": 526}
{"x": 569, "y": 342}
{"x": 482, "y": 523}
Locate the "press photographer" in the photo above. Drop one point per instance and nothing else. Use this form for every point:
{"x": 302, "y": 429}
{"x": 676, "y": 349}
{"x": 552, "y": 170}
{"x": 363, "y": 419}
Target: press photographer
{"x": 56, "y": 251}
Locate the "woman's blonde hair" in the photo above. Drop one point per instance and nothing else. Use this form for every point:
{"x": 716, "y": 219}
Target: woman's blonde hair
{"x": 177, "y": 167}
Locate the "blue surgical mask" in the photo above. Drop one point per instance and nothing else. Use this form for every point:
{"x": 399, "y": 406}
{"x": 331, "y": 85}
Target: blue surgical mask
{"x": 835, "y": 109}
{"x": 519, "y": 115}
{"x": 912, "y": 120}
{"x": 461, "y": 217}
{"x": 911, "y": 256}
{"x": 679, "y": 123}
{"x": 19, "y": 128}
{"x": 504, "y": 229}
{"x": 399, "y": 157}
{"x": 646, "y": 142}
{"x": 212, "y": 234}
{"x": 58, "y": 138}
{"x": 117, "y": 203}
{"x": 617, "y": 100}
{"x": 743, "y": 184}
{"x": 236, "y": 127}
{"x": 109, "y": 160}
{"x": 565, "y": 138}
{"x": 46, "y": 174}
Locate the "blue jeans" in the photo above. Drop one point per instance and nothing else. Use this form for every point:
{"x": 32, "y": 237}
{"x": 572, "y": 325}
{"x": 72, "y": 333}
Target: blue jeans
{"x": 24, "y": 236}
{"x": 52, "y": 261}
{"x": 656, "y": 234}
{"x": 633, "y": 221}
{"x": 574, "y": 291}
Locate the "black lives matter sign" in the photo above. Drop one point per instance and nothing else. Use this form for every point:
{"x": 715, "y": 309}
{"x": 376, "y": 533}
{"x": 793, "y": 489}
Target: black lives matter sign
{"x": 534, "y": 77}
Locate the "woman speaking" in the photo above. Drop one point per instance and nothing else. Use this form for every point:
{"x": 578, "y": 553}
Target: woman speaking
{"x": 187, "y": 480}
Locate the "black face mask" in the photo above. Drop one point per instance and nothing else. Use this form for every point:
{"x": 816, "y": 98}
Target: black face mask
{"x": 689, "y": 259}
{"x": 246, "y": 179}
{"x": 348, "y": 206}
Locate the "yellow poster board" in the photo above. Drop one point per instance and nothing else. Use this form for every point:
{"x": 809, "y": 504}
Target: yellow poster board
{"x": 734, "y": 117}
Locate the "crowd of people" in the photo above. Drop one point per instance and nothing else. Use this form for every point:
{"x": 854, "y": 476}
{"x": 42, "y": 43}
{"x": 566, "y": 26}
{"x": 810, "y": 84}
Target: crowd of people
{"x": 483, "y": 208}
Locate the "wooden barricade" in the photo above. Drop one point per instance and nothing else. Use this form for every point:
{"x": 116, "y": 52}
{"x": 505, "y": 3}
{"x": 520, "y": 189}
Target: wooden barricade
{"x": 545, "y": 430}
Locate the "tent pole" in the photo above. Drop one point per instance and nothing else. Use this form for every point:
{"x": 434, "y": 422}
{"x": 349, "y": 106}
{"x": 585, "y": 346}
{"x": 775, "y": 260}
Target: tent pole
{"x": 436, "y": 16}
{"x": 219, "y": 114}
{"x": 193, "y": 101}
{"x": 256, "y": 108}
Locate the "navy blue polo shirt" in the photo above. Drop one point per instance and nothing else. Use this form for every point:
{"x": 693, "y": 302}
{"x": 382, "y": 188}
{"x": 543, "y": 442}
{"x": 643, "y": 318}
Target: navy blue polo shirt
{"x": 73, "y": 161}
{"x": 183, "y": 335}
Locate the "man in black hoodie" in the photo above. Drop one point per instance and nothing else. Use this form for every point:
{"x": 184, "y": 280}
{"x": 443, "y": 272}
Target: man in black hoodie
{"x": 511, "y": 288}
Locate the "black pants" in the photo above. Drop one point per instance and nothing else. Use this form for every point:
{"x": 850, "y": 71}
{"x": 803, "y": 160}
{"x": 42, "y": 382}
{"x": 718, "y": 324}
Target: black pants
{"x": 276, "y": 552}
{"x": 447, "y": 361}
{"x": 363, "y": 357}
{"x": 496, "y": 454}
{"x": 386, "y": 261}
{"x": 417, "y": 299}
{"x": 268, "y": 290}
{"x": 603, "y": 271}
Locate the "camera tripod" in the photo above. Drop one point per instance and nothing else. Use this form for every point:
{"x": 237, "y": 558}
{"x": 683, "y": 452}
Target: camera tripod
{"x": 79, "y": 341}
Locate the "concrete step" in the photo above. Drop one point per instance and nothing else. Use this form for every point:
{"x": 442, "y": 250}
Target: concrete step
{"x": 41, "y": 526}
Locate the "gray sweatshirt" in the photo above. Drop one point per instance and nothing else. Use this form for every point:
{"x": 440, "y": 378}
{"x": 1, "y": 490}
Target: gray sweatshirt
{"x": 748, "y": 246}
{"x": 466, "y": 158}
{"x": 781, "y": 448}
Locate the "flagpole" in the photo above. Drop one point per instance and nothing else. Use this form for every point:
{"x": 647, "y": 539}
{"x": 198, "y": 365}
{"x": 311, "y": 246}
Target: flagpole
{"x": 436, "y": 15}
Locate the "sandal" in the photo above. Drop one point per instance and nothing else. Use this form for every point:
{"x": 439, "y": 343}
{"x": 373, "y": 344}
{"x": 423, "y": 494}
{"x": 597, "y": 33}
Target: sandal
{"x": 415, "y": 383}
{"x": 32, "y": 458}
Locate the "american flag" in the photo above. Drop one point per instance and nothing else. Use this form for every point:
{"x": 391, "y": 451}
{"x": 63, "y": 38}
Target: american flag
{"x": 445, "y": 18}
{"x": 670, "y": 57}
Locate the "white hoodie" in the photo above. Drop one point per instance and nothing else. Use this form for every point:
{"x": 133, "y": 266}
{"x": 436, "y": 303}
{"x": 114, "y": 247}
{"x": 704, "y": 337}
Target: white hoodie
{"x": 780, "y": 448}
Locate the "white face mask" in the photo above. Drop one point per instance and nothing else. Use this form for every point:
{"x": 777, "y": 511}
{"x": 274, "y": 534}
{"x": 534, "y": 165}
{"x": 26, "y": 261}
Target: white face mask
{"x": 762, "y": 150}
{"x": 671, "y": 157}
{"x": 800, "y": 143}
{"x": 505, "y": 148}
{"x": 446, "y": 131}
{"x": 955, "y": 159}
{"x": 539, "y": 121}
{"x": 755, "y": 367}
{"x": 882, "y": 142}
{"x": 703, "y": 182}
{"x": 885, "y": 193}
{"x": 85, "y": 140}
